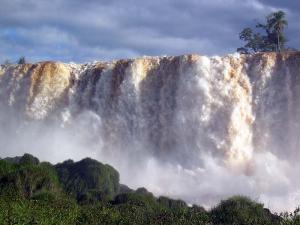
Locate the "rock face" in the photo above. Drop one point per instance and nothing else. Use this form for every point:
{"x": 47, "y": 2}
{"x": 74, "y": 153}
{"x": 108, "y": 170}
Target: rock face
{"x": 173, "y": 108}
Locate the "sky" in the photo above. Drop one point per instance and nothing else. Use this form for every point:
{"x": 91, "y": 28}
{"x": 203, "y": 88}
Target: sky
{"x": 88, "y": 30}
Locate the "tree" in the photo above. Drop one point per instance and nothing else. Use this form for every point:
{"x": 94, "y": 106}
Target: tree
{"x": 276, "y": 23}
{"x": 242, "y": 210}
{"x": 22, "y": 60}
{"x": 268, "y": 37}
{"x": 255, "y": 41}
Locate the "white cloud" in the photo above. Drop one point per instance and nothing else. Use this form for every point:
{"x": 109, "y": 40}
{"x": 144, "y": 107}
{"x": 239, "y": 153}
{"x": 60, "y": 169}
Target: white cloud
{"x": 125, "y": 29}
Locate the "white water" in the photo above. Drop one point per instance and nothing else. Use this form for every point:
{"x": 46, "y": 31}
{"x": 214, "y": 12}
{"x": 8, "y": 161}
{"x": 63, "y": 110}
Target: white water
{"x": 191, "y": 127}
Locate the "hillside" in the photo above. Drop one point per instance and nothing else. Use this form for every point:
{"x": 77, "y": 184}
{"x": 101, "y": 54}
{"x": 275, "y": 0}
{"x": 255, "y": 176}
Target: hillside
{"x": 89, "y": 192}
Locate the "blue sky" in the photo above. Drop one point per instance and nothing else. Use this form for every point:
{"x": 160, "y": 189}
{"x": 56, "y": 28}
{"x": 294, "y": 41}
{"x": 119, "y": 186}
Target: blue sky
{"x": 87, "y": 30}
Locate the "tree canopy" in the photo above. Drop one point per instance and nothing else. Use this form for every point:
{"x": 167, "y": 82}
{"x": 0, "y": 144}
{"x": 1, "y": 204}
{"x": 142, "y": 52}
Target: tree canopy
{"x": 88, "y": 192}
{"x": 266, "y": 37}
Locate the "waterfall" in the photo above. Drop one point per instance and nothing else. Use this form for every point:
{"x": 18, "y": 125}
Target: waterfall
{"x": 193, "y": 127}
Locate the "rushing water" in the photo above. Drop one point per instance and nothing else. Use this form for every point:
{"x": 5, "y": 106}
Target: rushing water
{"x": 191, "y": 127}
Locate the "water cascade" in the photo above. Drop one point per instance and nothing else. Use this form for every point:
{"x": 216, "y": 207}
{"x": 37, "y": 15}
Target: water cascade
{"x": 193, "y": 127}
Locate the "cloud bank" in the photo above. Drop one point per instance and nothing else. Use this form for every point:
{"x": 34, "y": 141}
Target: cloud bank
{"x": 80, "y": 31}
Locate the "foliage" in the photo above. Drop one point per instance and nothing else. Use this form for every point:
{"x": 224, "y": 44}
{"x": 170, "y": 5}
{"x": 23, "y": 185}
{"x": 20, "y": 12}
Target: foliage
{"x": 27, "y": 178}
{"x": 88, "y": 180}
{"x": 88, "y": 192}
{"x": 43, "y": 211}
{"x": 292, "y": 218}
{"x": 22, "y": 60}
{"x": 269, "y": 37}
{"x": 242, "y": 210}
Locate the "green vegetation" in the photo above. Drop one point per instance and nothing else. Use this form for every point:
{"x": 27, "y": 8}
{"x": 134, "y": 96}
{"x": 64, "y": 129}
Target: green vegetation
{"x": 268, "y": 37}
{"x": 88, "y": 180}
{"x": 88, "y": 192}
{"x": 242, "y": 210}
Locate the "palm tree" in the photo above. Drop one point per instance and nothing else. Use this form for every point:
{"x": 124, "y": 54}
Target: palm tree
{"x": 276, "y": 23}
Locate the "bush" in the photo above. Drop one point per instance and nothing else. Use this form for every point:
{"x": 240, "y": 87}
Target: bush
{"x": 242, "y": 210}
{"x": 88, "y": 179}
